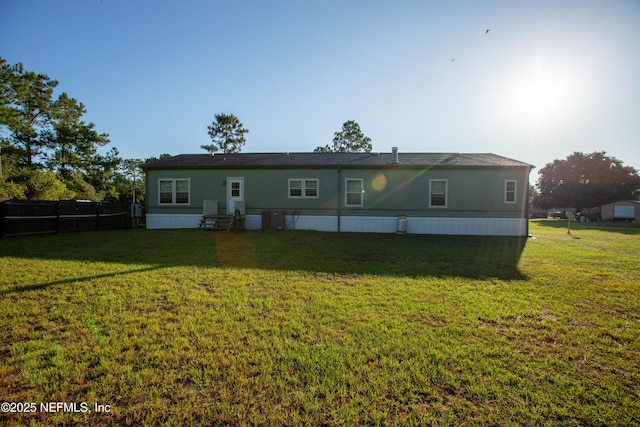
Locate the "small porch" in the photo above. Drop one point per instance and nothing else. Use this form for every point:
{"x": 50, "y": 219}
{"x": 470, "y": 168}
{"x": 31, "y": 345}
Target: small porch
{"x": 213, "y": 220}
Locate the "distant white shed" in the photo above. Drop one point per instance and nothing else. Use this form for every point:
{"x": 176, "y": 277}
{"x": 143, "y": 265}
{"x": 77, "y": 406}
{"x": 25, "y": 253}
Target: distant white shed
{"x": 624, "y": 209}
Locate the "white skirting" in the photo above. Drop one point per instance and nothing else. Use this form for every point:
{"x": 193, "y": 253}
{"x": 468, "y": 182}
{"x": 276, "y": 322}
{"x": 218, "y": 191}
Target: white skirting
{"x": 159, "y": 221}
{"x": 468, "y": 226}
{"x": 313, "y": 222}
{"x": 415, "y": 225}
{"x": 367, "y": 224}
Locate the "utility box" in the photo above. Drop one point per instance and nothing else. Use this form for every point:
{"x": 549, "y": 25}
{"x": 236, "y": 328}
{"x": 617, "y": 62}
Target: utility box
{"x": 136, "y": 210}
{"x": 402, "y": 224}
{"x": 274, "y": 220}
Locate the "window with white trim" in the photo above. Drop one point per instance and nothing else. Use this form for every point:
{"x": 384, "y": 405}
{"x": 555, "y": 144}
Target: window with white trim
{"x": 510, "y": 191}
{"x": 354, "y": 193}
{"x": 174, "y": 191}
{"x": 437, "y": 193}
{"x": 303, "y": 188}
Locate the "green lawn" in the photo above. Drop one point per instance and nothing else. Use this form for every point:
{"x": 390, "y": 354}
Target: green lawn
{"x": 180, "y": 327}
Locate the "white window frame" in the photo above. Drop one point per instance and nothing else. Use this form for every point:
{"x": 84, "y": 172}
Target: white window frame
{"x": 174, "y": 201}
{"x": 303, "y": 188}
{"x": 346, "y": 193}
{"x": 446, "y": 193}
{"x": 507, "y": 191}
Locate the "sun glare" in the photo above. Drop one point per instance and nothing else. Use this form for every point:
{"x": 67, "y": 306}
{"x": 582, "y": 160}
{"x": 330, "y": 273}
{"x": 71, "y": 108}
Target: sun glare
{"x": 540, "y": 95}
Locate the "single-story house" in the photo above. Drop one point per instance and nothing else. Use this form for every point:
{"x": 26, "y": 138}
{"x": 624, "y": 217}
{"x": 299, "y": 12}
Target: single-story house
{"x": 426, "y": 193}
{"x": 624, "y": 209}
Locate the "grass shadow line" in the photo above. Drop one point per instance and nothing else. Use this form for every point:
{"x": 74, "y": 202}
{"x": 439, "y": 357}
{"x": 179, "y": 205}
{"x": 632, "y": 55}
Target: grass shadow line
{"x": 40, "y": 286}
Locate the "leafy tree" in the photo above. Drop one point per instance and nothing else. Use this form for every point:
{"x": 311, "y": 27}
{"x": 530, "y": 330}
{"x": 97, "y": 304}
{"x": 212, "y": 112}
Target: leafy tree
{"x": 33, "y": 184}
{"x": 41, "y": 133}
{"x": 584, "y": 181}
{"x": 41, "y": 185}
{"x": 100, "y": 173}
{"x": 533, "y": 194}
{"x": 349, "y": 140}
{"x": 25, "y": 110}
{"x": 83, "y": 190}
{"x": 12, "y": 190}
{"x": 227, "y": 134}
{"x": 130, "y": 180}
{"x": 46, "y": 186}
{"x": 131, "y": 171}
{"x": 7, "y": 94}
{"x": 73, "y": 143}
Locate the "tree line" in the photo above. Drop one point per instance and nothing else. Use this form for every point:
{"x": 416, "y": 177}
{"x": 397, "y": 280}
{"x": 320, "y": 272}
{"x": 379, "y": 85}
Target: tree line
{"x": 48, "y": 152}
{"x": 585, "y": 181}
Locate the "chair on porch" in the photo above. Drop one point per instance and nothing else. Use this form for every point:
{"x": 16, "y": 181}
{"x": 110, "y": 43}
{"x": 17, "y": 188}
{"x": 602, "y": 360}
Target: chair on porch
{"x": 209, "y": 214}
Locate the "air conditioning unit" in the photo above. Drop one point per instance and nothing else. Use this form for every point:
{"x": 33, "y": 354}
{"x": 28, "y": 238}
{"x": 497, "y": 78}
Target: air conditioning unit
{"x": 274, "y": 220}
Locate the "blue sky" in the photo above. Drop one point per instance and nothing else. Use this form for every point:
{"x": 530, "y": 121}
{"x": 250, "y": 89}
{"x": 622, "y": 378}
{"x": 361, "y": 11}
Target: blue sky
{"x": 549, "y": 78}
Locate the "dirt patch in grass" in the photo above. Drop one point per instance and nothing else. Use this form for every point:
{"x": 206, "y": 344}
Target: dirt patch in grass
{"x": 234, "y": 251}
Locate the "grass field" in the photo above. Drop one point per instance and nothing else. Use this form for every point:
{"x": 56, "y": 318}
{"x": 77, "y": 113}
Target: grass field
{"x": 179, "y": 327}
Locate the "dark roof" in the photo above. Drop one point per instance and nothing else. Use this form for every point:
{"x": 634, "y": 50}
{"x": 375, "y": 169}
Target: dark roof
{"x": 320, "y": 160}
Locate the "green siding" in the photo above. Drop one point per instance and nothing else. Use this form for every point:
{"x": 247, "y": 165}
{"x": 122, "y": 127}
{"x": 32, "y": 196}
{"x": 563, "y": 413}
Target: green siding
{"x": 470, "y": 193}
{"x": 387, "y": 192}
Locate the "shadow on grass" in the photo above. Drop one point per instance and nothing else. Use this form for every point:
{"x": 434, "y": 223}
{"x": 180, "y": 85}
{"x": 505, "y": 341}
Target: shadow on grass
{"x": 140, "y": 250}
{"x": 39, "y": 286}
{"x": 287, "y": 250}
{"x": 387, "y": 254}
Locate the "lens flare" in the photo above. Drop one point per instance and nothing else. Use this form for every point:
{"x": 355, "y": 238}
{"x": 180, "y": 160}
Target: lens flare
{"x": 379, "y": 183}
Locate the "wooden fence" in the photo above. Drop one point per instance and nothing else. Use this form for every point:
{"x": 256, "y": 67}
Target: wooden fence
{"x": 19, "y": 218}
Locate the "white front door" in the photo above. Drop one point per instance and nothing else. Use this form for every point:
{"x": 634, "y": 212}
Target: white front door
{"x": 235, "y": 193}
